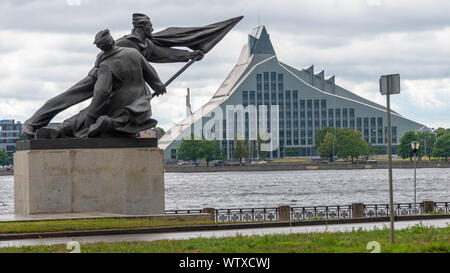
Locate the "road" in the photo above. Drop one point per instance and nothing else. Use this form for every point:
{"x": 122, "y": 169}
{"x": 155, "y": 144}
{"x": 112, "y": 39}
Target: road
{"x": 223, "y": 233}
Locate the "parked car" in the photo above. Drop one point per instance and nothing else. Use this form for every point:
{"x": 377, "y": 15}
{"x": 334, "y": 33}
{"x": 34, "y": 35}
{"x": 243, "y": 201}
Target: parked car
{"x": 187, "y": 163}
{"x": 221, "y": 163}
{"x": 371, "y": 161}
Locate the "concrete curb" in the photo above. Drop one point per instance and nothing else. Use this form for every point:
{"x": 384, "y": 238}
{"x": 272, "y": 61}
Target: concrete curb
{"x": 212, "y": 227}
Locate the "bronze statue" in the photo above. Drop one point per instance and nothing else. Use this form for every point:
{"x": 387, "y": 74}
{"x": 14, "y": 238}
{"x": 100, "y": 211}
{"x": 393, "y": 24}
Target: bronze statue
{"x": 153, "y": 47}
{"x": 121, "y": 102}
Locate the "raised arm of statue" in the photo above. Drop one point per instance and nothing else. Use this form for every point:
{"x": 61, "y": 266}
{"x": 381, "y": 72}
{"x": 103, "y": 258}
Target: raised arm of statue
{"x": 160, "y": 54}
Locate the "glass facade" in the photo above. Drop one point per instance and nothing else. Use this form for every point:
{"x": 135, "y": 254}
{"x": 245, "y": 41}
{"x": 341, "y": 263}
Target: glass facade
{"x": 300, "y": 117}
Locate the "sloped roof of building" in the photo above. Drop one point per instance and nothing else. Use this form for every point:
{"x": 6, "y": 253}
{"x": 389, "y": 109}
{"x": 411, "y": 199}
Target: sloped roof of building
{"x": 258, "y": 50}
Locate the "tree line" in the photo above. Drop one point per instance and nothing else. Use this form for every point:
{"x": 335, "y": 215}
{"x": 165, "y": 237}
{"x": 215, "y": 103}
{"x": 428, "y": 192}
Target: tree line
{"x": 343, "y": 143}
{"x": 4, "y": 158}
{"x": 209, "y": 150}
{"x": 431, "y": 144}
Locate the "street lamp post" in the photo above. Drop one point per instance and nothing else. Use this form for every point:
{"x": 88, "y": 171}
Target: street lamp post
{"x": 415, "y": 148}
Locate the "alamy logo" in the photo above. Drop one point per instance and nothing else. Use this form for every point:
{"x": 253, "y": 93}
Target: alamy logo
{"x": 236, "y": 122}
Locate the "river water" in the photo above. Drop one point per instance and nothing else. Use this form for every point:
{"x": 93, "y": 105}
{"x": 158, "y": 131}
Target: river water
{"x": 294, "y": 188}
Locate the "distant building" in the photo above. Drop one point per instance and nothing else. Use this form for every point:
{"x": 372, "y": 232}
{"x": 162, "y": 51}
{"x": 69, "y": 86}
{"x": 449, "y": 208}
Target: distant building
{"x": 306, "y": 102}
{"x": 9, "y": 134}
{"x": 152, "y": 133}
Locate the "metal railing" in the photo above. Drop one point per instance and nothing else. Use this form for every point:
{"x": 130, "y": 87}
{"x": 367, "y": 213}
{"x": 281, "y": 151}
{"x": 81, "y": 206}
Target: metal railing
{"x": 321, "y": 212}
{"x": 314, "y": 212}
{"x": 246, "y": 214}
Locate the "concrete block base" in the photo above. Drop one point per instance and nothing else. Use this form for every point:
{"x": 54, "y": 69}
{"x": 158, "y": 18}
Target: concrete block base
{"x": 127, "y": 181}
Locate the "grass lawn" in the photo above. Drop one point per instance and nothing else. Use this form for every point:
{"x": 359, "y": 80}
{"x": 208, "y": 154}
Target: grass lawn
{"x": 415, "y": 239}
{"x": 90, "y": 224}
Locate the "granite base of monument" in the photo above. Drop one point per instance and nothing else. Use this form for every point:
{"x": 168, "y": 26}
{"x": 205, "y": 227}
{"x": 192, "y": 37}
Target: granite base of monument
{"x": 123, "y": 176}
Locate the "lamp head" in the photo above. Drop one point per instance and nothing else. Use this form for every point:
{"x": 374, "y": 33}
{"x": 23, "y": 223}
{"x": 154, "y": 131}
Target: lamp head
{"x": 415, "y": 146}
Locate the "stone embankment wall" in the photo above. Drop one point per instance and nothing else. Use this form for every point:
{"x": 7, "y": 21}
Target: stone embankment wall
{"x": 319, "y": 166}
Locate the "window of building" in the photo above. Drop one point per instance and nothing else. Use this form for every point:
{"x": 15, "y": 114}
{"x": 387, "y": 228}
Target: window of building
{"x": 280, "y": 82}
{"x": 252, "y": 97}
{"x": 273, "y": 76}
{"x": 352, "y": 113}
{"x": 331, "y": 117}
{"x": 316, "y": 124}
{"x": 380, "y": 135}
{"x": 394, "y": 134}
{"x": 258, "y": 82}
{"x": 274, "y": 98}
{"x": 245, "y": 98}
{"x": 273, "y": 81}
{"x": 173, "y": 154}
{"x": 338, "y": 118}
{"x": 302, "y": 124}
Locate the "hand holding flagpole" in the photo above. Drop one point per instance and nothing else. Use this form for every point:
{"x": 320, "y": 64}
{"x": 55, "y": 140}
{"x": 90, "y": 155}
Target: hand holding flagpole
{"x": 204, "y": 40}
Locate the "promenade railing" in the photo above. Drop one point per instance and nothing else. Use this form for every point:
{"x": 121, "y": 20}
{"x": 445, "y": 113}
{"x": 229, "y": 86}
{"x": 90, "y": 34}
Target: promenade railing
{"x": 318, "y": 212}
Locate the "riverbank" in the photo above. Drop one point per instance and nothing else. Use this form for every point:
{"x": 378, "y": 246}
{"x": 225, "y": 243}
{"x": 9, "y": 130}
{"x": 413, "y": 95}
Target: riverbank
{"x": 306, "y": 166}
{"x": 5, "y": 173}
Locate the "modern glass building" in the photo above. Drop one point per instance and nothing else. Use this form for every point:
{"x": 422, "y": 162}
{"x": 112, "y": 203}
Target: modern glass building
{"x": 306, "y": 101}
{"x": 9, "y": 135}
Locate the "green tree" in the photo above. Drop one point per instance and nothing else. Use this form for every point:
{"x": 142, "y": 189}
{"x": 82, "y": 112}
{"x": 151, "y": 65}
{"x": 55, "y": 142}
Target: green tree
{"x": 427, "y": 141}
{"x": 320, "y": 135}
{"x": 210, "y": 150}
{"x": 4, "y": 158}
{"x": 326, "y": 146}
{"x": 22, "y": 137}
{"x": 259, "y": 141}
{"x": 440, "y": 131}
{"x": 240, "y": 150}
{"x": 442, "y": 146}
{"x": 189, "y": 149}
{"x": 351, "y": 144}
{"x": 404, "y": 149}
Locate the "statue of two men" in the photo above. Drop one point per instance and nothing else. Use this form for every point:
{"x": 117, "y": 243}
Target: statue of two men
{"x": 121, "y": 100}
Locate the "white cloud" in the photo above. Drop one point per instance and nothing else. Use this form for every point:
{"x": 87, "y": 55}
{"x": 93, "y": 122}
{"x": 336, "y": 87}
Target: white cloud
{"x": 73, "y": 2}
{"x": 49, "y": 47}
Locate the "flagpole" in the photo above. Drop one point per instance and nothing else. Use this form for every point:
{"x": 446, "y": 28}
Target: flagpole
{"x": 177, "y": 74}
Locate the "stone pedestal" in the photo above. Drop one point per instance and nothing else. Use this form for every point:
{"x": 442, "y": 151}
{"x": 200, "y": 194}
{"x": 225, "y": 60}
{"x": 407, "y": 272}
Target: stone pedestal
{"x": 428, "y": 206}
{"x": 358, "y": 210}
{"x": 284, "y": 213}
{"x": 126, "y": 180}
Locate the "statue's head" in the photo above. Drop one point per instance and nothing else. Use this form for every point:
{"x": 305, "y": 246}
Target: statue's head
{"x": 104, "y": 40}
{"x": 142, "y": 21}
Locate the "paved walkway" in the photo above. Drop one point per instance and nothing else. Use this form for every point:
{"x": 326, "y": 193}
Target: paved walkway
{"x": 223, "y": 233}
{"x": 57, "y": 216}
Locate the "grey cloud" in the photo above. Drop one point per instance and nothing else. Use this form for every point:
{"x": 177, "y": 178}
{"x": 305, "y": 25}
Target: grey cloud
{"x": 350, "y": 39}
{"x": 319, "y": 17}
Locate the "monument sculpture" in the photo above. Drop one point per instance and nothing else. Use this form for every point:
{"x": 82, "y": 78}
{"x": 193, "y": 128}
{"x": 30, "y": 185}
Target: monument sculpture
{"x": 155, "y": 47}
{"x": 94, "y": 161}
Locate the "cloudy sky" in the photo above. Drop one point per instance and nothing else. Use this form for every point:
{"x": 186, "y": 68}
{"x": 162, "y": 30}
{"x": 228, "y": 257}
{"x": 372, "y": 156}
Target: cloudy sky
{"x": 46, "y": 46}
